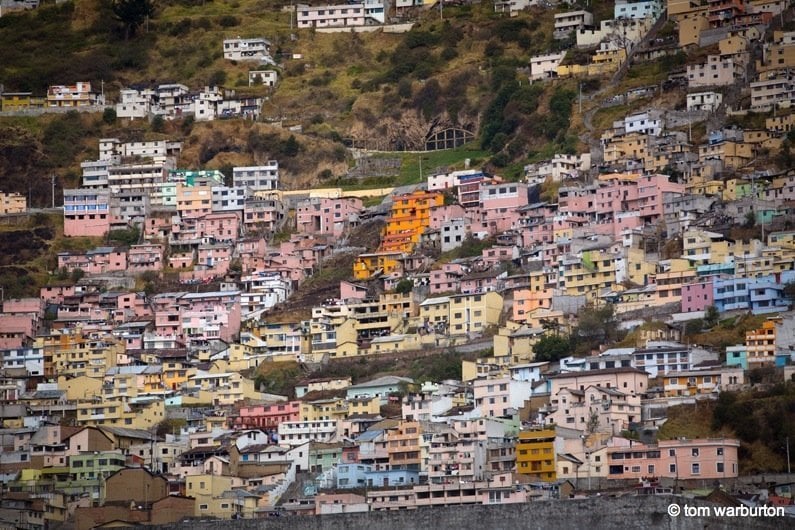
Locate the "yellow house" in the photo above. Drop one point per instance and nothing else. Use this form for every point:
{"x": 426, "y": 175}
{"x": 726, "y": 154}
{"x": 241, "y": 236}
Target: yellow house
{"x": 368, "y": 265}
{"x": 474, "y": 312}
{"x": 410, "y": 215}
{"x": 619, "y": 148}
{"x": 364, "y": 406}
{"x": 73, "y": 355}
{"x": 535, "y": 454}
{"x": 589, "y": 273}
{"x": 15, "y": 101}
{"x": 209, "y": 490}
{"x": 324, "y": 409}
{"x": 80, "y": 387}
{"x": 11, "y": 203}
{"x": 761, "y": 343}
{"x": 712, "y": 187}
{"x": 284, "y": 338}
{"x": 221, "y": 388}
{"x": 639, "y": 266}
{"x": 119, "y": 412}
{"x": 514, "y": 342}
{"x": 175, "y": 373}
{"x": 733, "y": 154}
{"x": 435, "y": 311}
{"x": 780, "y": 124}
{"x": 669, "y": 282}
{"x": 691, "y": 21}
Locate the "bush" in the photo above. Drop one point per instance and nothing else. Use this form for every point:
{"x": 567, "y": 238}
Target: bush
{"x": 218, "y": 78}
{"x": 158, "y": 124}
{"x": 228, "y": 21}
{"x": 109, "y": 115}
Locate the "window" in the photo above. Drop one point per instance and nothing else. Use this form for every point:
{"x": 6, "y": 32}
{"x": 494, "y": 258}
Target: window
{"x": 202, "y": 507}
{"x": 671, "y": 452}
{"x": 694, "y": 452}
{"x": 696, "y": 469}
{"x": 720, "y": 451}
{"x": 672, "y": 468}
{"x": 719, "y": 467}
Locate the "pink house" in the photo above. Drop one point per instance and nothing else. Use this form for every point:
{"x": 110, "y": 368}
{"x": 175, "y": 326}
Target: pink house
{"x": 447, "y": 279}
{"x": 86, "y": 212}
{"x": 576, "y": 200}
{"x": 222, "y": 226}
{"x": 650, "y": 196}
{"x": 146, "y": 257}
{"x": 251, "y": 253}
{"x": 158, "y": 224}
{"x": 267, "y": 416}
{"x": 328, "y": 216}
{"x": 265, "y": 214}
{"x": 496, "y": 254}
{"x": 698, "y": 296}
{"x": 16, "y": 331}
{"x": 499, "y": 205}
{"x": 479, "y": 282}
{"x": 198, "y": 316}
{"x": 101, "y": 260}
{"x": 682, "y": 459}
{"x": 56, "y": 293}
{"x": 500, "y": 397}
{"x": 27, "y": 306}
{"x": 444, "y": 214}
{"x": 352, "y": 291}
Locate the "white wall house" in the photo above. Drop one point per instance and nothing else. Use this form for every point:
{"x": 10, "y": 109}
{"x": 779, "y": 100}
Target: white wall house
{"x": 262, "y": 77}
{"x": 330, "y": 16}
{"x": 704, "y": 101}
{"x": 257, "y": 178}
{"x": 544, "y": 66}
{"x": 238, "y": 49}
{"x": 637, "y": 9}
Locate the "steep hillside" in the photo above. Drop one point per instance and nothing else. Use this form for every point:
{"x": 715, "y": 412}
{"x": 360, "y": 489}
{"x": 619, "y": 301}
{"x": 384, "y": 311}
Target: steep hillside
{"x": 378, "y": 90}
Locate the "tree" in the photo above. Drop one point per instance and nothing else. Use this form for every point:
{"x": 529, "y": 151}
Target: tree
{"x": 551, "y": 348}
{"x": 109, "y": 115}
{"x": 711, "y": 316}
{"x": 132, "y": 14}
{"x": 404, "y": 286}
{"x": 158, "y": 124}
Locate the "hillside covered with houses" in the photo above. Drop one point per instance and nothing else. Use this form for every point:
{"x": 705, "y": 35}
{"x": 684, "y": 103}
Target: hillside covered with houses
{"x": 394, "y": 256}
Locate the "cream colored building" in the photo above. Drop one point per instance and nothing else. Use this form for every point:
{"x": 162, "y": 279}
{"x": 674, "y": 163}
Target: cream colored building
{"x": 11, "y": 203}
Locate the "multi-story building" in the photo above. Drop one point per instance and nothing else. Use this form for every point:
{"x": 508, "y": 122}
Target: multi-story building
{"x": 295, "y": 433}
{"x": 629, "y": 9}
{"x": 718, "y": 70}
{"x": 703, "y": 382}
{"x": 535, "y": 454}
{"x": 328, "y": 16}
{"x": 680, "y": 459}
{"x": 569, "y": 22}
{"x": 328, "y": 216}
{"x": 86, "y": 212}
{"x": 77, "y": 95}
{"x": 238, "y": 49}
{"x": 11, "y": 203}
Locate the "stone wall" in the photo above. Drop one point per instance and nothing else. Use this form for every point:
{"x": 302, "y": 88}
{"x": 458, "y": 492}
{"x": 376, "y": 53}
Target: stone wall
{"x": 595, "y": 513}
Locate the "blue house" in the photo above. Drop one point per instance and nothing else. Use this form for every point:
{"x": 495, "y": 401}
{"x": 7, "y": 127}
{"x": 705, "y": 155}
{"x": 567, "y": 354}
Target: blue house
{"x": 737, "y": 356}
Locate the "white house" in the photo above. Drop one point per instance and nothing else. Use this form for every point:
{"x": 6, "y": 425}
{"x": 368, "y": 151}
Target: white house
{"x": 344, "y": 15}
{"x": 637, "y": 9}
{"x": 705, "y": 101}
{"x": 566, "y": 23}
{"x": 257, "y": 178}
{"x": 238, "y": 49}
{"x": 649, "y": 122}
{"x": 544, "y": 66}
{"x": 262, "y": 77}
{"x": 132, "y": 104}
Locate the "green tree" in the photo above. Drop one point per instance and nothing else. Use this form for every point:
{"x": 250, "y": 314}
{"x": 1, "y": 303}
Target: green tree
{"x": 291, "y": 147}
{"x": 551, "y": 348}
{"x": 132, "y": 14}
{"x": 158, "y": 124}
{"x": 109, "y": 115}
{"x": 404, "y": 286}
{"x": 711, "y": 316}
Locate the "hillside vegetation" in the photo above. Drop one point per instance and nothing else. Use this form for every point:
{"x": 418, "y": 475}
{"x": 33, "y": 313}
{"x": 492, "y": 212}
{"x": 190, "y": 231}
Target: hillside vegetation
{"x": 386, "y": 91}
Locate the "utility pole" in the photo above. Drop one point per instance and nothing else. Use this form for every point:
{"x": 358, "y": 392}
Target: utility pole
{"x": 789, "y": 469}
{"x": 53, "y": 191}
{"x": 441, "y": 10}
{"x": 580, "y": 88}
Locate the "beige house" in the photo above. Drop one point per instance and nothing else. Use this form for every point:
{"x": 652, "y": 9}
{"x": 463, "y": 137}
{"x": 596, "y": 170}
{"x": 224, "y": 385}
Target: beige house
{"x": 11, "y": 203}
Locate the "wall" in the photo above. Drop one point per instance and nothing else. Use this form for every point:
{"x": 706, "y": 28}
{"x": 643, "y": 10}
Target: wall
{"x": 595, "y": 513}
